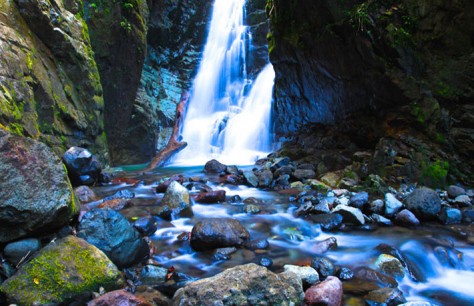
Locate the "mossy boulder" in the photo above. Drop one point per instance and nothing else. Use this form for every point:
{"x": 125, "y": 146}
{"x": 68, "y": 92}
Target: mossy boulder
{"x": 35, "y": 194}
{"x": 60, "y": 272}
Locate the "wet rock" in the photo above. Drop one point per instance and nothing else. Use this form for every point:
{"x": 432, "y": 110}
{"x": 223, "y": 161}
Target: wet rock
{"x": 164, "y": 186}
{"x": 381, "y": 220}
{"x": 282, "y": 182}
{"x": 424, "y": 203}
{"x": 146, "y": 225}
{"x": 21, "y": 250}
{"x": 350, "y": 214}
{"x": 303, "y": 174}
{"x": 406, "y": 218}
{"x": 328, "y": 222}
{"x": 152, "y": 296}
{"x": 60, "y": 272}
{"x": 116, "y": 204}
{"x": 324, "y": 266}
{"x": 359, "y": 200}
{"x": 280, "y": 162}
{"x": 450, "y": 215}
{"x": 392, "y": 205}
{"x": 217, "y": 233}
{"x": 235, "y": 199}
{"x": 198, "y": 186}
{"x": 121, "y": 194}
{"x": 247, "y": 284}
{"x": 285, "y": 170}
{"x": 388, "y": 249}
{"x": 252, "y": 209}
{"x": 85, "y": 194}
{"x": 328, "y": 292}
{"x": 377, "y": 206}
{"x": 455, "y": 191}
{"x": 231, "y": 179}
{"x": 152, "y": 275}
{"x": 320, "y": 247}
{"x": 251, "y": 178}
{"x": 109, "y": 231}
{"x": 257, "y": 244}
{"x": 463, "y": 201}
{"x": 345, "y": 274}
{"x": 214, "y": 167}
{"x": 390, "y": 265}
{"x": 374, "y": 276}
{"x": 176, "y": 202}
{"x": 386, "y": 296}
{"x": 83, "y": 167}
{"x": 308, "y": 275}
{"x": 265, "y": 178}
{"x": 35, "y": 194}
{"x": 210, "y": 197}
{"x": 232, "y": 170}
{"x": 118, "y": 297}
{"x": 265, "y": 261}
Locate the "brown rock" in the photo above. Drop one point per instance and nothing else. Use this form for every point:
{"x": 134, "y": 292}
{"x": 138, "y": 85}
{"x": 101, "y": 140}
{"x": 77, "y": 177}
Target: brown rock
{"x": 116, "y": 204}
{"x": 328, "y": 292}
{"x": 118, "y": 297}
{"x": 210, "y": 197}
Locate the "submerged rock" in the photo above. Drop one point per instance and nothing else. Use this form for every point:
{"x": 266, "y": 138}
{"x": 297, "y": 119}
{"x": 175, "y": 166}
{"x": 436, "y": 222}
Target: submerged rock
{"x": 217, "y": 233}
{"x": 114, "y": 235}
{"x": 248, "y": 284}
{"x": 35, "y": 193}
{"x": 62, "y": 271}
{"x": 424, "y": 203}
{"x": 328, "y": 292}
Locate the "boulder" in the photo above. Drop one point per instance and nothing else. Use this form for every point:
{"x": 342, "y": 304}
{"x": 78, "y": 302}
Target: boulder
{"x": 217, "y": 233}
{"x": 251, "y": 178}
{"x": 359, "y": 200}
{"x": 21, "y": 250}
{"x": 324, "y": 266}
{"x": 265, "y": 178}
{"x": 308, "y": 275}
{"x": 328, "y": 292}
{"x": 248, "y": 284}
{"x": 390, "y": 265}
{"x": 392, "y": 205}
{"x": 377, "y": 206}
{"x": 146, "y": 225}
{"x": 214, "y": 167}
{"x": 35, "y": 193}
{"x": 210, "y": 197}
{"x": 109, "y": 231}
{"x": 407, "y": 218}
{"x": 85, "y": 194}
{"x": 350, "y": 214}
{"x": 424, "y": 203}
{"x": 83, "y": 167}
{"x": 176, "y": 202}
{"x": 162, "y": 187}
{"x": 118, "y": 297}
{"x": 60, "y": 272}
{"x": 455, "y": 191}
{"x": 450, "y": 215}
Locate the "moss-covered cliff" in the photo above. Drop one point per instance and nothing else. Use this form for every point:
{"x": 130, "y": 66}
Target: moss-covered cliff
{"x": 394, "y": 77}
{"x": 49, "y": 83}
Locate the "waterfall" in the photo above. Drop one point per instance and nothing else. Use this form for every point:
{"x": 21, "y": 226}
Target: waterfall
{"x": 228, "y": 115}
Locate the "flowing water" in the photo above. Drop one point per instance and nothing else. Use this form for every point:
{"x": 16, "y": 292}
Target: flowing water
{"x": 291, "y": 240}
{"x": 228, "y": 114}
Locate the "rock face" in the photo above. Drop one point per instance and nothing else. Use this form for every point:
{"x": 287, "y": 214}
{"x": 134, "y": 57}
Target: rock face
{"x": 36, "y": 194}
{"x": 60, "y": 272}
{"x": 109, "y": 231}
{"x": 403, "y": 93}
{"x": 218, "y": 233}
{"x": 49, "y": 83}
{"x": 243, "y": 285}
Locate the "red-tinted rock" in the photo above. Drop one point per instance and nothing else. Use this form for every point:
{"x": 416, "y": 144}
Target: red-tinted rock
{"x": 328, "y": 292}
{"x": 231, "y": 179}
{"x": 116, "y": 204}
{"x": 85, "y": 194}
{"x": 210, "y": 197}
{"x": 118, "y": 297}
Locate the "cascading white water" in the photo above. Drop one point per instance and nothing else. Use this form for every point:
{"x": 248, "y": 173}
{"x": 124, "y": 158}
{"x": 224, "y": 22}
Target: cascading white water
{"x": 221, "y": 121}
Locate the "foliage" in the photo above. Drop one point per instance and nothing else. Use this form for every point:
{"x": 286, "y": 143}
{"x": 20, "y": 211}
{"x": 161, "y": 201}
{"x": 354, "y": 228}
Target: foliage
{"x": 435, "y": 174}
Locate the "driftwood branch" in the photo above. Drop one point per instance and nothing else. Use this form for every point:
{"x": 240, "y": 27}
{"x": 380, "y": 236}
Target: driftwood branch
{"x": 173, "y": 146}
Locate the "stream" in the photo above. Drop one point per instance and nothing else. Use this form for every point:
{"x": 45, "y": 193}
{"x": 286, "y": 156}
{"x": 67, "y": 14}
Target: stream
{"x": 291, "y": 239}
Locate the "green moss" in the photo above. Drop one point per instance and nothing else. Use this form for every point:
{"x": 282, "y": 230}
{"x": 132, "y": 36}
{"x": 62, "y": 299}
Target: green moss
{"x": 61, "y": 272}
{"x": 435, "y": 174}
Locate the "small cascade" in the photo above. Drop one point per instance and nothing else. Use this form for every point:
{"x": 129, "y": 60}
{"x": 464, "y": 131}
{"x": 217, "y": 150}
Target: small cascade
{"x": 228, "y": 115}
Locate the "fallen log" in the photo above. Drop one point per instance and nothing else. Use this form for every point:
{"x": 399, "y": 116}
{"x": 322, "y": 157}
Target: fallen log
{"x": 173, "y": 146}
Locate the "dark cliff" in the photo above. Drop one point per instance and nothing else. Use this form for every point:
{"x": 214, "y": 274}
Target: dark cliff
{"x": 392, "y": 77}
